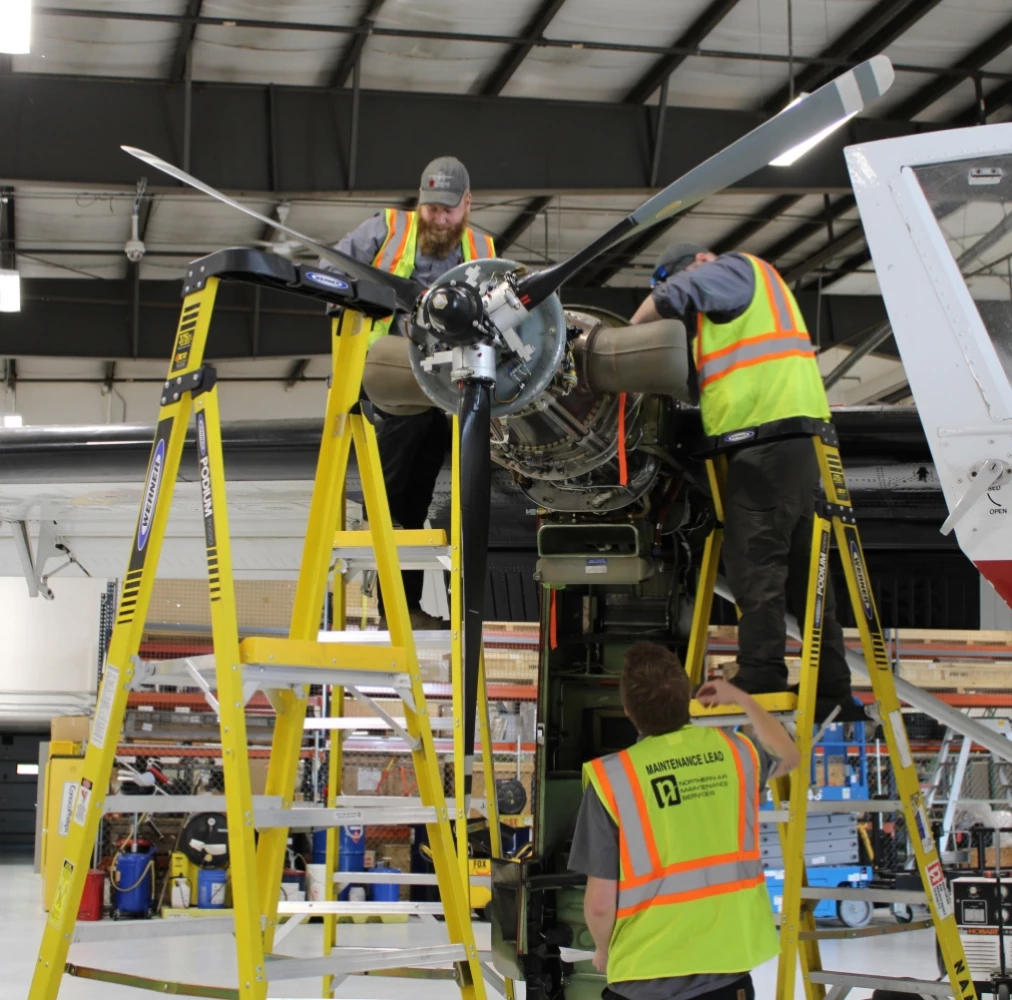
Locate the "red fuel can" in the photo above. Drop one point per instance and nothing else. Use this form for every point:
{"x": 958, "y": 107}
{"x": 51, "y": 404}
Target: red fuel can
{"x": 91, "y": 899}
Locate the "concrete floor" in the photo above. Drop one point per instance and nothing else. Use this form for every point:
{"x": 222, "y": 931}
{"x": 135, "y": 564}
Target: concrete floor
{"x": 210, "y": 960}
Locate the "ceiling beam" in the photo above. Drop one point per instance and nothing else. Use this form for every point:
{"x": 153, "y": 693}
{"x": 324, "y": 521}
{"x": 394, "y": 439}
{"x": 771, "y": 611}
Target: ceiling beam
{"x": 75, "y": 317}
{"x": 922, "y": 98}
{"x": 744, "y": 231}
{"x": 872, "y": 33}
{"x": 994, "y": 101}
{"x": 825, "y": 253}
{"x": 353, "y": 50}
{"x": 715, "y": 12}
{"x": 521, "y": 223}
{"x": 510, "y": 62}
{"x": 187, "y": 31}
{"x": 790, "y": 241}
{"x": 147, "y": 113}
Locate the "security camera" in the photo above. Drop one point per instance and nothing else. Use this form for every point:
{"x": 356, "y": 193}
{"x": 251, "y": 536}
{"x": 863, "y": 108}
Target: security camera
{"x": 134, "y": 249}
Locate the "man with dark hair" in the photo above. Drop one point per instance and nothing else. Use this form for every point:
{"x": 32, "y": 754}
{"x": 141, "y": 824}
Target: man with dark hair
{"x": 424, "y": 245}
{"x": 758, "y": 381}
{"x": 668, "y": 837}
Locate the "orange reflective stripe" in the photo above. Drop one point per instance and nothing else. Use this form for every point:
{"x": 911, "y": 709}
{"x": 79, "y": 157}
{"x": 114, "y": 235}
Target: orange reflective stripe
{"x": 489, "y": 246}
{"x": 641, "y": 809}
{"x": 687, "y": 897}
{"x": 404, "y": 239}
{"x": 469, "y": 233}
{"x": 772, "y": 356}
{"x": 742, "y": 790}
{"x": 609, "y": 795}
{"x": 391, "y": 216}
{"x": 681, "y": 867}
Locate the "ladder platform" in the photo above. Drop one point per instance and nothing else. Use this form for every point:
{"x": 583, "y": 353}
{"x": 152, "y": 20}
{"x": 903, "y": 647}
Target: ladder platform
{"x": 422, "y": 548}
{"x": 340, "y": 908}
{"x": 780, "y": 703}
{"x": 285, "y": 662}
{"x": 857, "y": 981}
{"x": 355, "y": 961}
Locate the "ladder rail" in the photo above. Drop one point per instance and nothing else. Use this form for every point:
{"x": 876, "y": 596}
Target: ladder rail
{"x": 149, "y": 533}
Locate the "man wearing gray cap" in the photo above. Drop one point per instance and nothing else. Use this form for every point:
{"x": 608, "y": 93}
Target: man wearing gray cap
{"x": 423, "y": 245}
{"x": 757, "y": 380}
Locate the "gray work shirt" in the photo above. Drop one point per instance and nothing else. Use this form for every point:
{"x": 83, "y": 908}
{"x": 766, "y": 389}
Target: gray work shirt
{"x": 722, "y": 290}
{"x": 364, "y": 242}
{"x": 595, "y": 852}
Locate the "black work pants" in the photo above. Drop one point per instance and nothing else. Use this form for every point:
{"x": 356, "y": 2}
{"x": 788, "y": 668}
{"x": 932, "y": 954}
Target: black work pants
{"x": 740, "y": 990}
{"x": 768, "y": 517}
{"x": 411, "y": 450}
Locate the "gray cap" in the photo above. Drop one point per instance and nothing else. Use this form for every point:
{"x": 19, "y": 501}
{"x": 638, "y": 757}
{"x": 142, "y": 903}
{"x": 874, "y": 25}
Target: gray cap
{"x": 444, "y": 182}
{"x": 679, "y": 256}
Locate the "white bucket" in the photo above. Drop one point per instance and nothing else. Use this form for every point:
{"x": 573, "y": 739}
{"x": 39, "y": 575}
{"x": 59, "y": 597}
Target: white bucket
{"x": 316, "y": 878}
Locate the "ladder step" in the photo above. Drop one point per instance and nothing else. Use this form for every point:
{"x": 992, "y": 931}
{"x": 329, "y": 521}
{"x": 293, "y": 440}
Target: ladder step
{"x": 269, "y": 652}
{"x": 343, "y": 909}
{"x": 850, "y": 933}
{"x": 379, "y": 876}
{"x": 351, "y": 961}
{"x": 299, "y": 817}
{"x": 856, "y": 980}
{"x": 909, "y": 896}
{"x": 416, "y": 549}
{"x": 87, "y": 932}
{"x": 781, "y": 703}
{"x": 172, "y": 804}
{"x": 824, "y": 806}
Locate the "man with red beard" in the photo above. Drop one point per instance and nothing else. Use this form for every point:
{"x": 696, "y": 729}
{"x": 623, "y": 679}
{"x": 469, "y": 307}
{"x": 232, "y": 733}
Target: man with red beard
{"x": 423, "y": 245}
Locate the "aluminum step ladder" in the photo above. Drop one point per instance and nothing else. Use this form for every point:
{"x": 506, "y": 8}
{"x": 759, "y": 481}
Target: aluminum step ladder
{"x": 282, "y": 667}
{"x": 799, "y": 937}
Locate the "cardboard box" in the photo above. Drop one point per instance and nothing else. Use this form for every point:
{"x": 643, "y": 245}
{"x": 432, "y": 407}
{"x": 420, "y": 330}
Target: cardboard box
{"x": 989, "y": 857}
{"x": 70, "y": 729}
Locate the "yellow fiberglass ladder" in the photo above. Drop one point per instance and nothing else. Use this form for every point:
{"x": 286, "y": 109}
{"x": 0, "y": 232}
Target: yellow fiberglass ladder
{"x": 799, "y": 937}
{"x": 283, "y": 668}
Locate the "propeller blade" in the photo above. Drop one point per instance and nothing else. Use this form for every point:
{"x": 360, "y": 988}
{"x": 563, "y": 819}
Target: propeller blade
{"x": 474, "y": 418}
{"x": 407, "y": 290}
{"x": 830, "y": 105}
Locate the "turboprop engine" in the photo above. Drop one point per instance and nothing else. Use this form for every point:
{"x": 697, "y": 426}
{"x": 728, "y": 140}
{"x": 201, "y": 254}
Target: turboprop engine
{"x": 577, "y": 400}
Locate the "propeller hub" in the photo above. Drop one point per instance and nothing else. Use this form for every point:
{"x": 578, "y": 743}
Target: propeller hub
{"x": 455, "y": 312}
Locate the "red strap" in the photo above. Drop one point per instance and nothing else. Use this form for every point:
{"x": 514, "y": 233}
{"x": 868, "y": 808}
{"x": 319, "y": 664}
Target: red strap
{"x": 553, "y": 632}
{"x": 623, "y": 470}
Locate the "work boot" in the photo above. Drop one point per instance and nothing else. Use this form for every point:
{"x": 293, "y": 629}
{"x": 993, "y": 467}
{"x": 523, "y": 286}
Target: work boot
{"x": 421, "y": 621}
{"x": 851, "y": 710}
{"x": 752, "y": 682}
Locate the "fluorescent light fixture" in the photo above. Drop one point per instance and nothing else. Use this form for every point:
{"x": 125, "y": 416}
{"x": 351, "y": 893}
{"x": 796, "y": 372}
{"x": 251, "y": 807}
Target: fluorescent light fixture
{"x": 10, "y": 292}
{"x": 11, "y": 420}
{"x": 16, "y": 27}
{"x": 796, "y": 152}
{"x": 27, "y": 770}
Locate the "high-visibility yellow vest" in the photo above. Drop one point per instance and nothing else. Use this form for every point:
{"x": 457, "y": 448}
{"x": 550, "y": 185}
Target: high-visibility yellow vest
{"x": 692, "y": 896}
{"x": 397, "y": 253}
{"x": 759, "y": 367}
